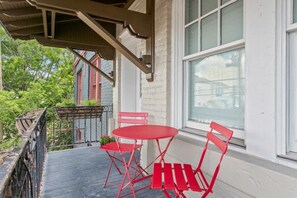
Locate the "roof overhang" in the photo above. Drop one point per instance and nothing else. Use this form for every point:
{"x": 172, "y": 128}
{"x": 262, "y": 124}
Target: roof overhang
{"x": 84, "y": 25}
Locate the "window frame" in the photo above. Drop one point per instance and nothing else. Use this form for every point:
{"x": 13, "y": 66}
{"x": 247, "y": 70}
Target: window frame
{"x": 290, "y": 28}
{"x": 285, "y": 27}
{"x": 199, "y": 19}
{"x": 183, "y": 121}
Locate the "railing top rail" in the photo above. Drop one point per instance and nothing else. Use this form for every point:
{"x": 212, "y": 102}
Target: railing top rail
{"x": 12, "y": 157}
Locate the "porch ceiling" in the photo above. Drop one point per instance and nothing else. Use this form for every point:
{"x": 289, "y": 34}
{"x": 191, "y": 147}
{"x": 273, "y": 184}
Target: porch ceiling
{"x": 85, "y": 25}
{"x": 24, "y": 19}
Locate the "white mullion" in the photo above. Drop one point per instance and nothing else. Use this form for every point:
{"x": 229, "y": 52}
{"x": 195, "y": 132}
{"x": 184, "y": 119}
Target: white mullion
{"x": 289, "y": 12}
{"x": 186, "y": 93}
{"x": 219, "y": 49}
{"x": 219, "y": 24}
{"x": 191, "y": 23}
{"x": 292, "y": 28}
{"x": 199, "y": 25}
{"x": 210, "y": 13}
{"x": 227, "y": 4}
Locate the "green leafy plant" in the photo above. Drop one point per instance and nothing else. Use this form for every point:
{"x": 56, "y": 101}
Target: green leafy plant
{"x": 91, "y": 102}
{"x": 66, "y": 103}
{"x": 106, "y": 139}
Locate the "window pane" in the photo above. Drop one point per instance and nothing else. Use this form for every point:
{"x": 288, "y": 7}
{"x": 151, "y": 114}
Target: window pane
{"x": 191, "y": 10}
{"x": 232, "y": 22}
{"x": 191, "y": 39}
{"x": 208, "y": 5}
{"x": 224, "y": 1}
{"x": 293, "y": 93}
{"x": 295, "y": 11}
{"x": 216, "y": 90}
{"x": 209, "y": 26}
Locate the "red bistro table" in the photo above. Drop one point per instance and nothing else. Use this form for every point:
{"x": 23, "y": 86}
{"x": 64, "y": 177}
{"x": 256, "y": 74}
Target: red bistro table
{"x": 142, "y": 132}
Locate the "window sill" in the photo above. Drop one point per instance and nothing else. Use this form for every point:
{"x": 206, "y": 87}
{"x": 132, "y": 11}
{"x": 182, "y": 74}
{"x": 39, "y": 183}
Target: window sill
{"x": 289, "y": 156}
{"x": 202, "y": 134}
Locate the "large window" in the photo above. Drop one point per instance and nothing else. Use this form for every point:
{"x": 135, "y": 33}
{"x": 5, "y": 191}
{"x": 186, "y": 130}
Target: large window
{"x": 210, "y": 23}
{"x": 292, "y": 75}
{"x": 214, "y": 62}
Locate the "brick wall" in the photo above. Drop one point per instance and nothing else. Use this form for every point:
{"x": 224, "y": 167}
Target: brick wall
{"x": 156, "y": 94}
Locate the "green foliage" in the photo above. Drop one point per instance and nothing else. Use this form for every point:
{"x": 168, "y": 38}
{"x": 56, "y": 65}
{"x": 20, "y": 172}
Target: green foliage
{"x": 9, "y": 143}
{"x": 9, "y": 110}
{"x": 66, "y": 102}
{"x": 106, "y": 139}
{"x": 62, "y": 138}
{"x": 90, "y": 102}
{"x": 34, "y": 77}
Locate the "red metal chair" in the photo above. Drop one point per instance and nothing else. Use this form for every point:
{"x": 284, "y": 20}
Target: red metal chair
{"x": 182, "y": 177}
{"x": 112, "y": 148}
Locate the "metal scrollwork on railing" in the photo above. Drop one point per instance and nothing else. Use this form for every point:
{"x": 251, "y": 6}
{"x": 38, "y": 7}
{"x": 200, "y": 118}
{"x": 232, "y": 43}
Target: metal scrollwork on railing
{"x": 21, "y": 172}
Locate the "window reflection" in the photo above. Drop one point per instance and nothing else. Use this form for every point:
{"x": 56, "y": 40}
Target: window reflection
{"x": 217, "y": 89}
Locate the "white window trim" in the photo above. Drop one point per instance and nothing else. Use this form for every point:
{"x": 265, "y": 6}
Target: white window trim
{"x": 286, "y": 26}
{"x": 179, "y": 106}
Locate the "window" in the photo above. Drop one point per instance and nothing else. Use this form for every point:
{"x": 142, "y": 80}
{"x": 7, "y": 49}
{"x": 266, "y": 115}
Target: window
{"x": 210, "y": 23}
{"x": 95, "y": 81}
{"x": 214, "y": 63}
{"x": 292, "y": 76}
{"x": 79, "y": 87}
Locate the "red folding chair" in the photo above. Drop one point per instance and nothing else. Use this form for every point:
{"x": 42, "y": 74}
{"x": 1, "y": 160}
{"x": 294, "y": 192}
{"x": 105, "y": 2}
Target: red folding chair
{"x": 182, "y": 177}
{"x": 112, "y": 148}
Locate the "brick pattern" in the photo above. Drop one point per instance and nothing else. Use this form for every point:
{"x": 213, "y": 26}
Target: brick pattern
{"x": 156, "y": 94}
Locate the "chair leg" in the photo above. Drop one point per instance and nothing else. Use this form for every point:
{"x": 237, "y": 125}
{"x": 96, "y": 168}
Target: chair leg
{"x": 112, "y": 157}
{"x": 108, "y": 173}
{"x": 112, "y": 162}
{"x": 166, "y": 193}
{"x": 205, "y": 194}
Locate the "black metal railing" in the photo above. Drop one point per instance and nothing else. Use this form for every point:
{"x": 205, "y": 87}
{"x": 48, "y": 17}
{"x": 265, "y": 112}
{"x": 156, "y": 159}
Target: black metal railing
{"x": 73, "y": 126}
{"x": 21, "y": 172}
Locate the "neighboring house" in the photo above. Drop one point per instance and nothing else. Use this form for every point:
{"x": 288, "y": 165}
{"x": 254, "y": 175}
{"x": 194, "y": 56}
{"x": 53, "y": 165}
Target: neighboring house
{"x": 89, "y": 85}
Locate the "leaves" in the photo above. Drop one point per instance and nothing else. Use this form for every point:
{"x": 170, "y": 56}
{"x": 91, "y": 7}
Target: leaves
{"x": 34, "y": 77}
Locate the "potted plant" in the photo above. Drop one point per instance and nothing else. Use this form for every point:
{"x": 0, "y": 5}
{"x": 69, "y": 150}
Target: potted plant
{"x": 106, "y": 139}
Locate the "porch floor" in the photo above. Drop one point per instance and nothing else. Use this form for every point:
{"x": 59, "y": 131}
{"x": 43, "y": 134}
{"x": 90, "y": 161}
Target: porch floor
{"x": 80, "y": 173}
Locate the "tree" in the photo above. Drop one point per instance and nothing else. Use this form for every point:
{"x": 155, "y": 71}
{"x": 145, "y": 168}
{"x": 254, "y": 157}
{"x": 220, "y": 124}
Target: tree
{"x": 34, "y": 77}
{"x": 27, "y": 61}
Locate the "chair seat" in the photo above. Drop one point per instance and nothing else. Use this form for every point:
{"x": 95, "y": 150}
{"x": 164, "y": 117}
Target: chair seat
{"x": 180, "y": 176}
{"x": 113, "y": 146}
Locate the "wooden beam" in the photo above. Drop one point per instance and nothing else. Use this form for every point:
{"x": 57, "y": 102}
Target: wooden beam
{"x": 128, "y": 4}
{"x": 139, "y": 23}
{"x": 92, "y": 65}
{"x": 10, "y": 1}
{"x": 106, "y": 52}
{"x": 30, "y": 11}
{"x": 45, "y": 27}
{"x": 25, "y": 23}
{"x": 24, "y": 38}
{"x": 53, "y": 21}
{"x": 150, "y": 42}
{"x": 28, "y": 31}
{"x": 113, "y": 41}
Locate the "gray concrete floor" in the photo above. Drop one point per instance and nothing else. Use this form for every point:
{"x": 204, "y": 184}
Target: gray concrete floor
{"x": 80, "y": 173}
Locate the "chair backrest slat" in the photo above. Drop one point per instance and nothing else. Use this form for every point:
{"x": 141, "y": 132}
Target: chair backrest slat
{"x": 222, "y": 130}
{"x": 134, "y": 118}
{"x": 132, "y": 121}
{"x": 217, "y": 141}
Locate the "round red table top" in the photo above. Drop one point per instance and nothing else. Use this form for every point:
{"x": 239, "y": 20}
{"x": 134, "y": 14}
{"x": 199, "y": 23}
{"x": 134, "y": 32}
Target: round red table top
{"x": 145, "y": 132}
